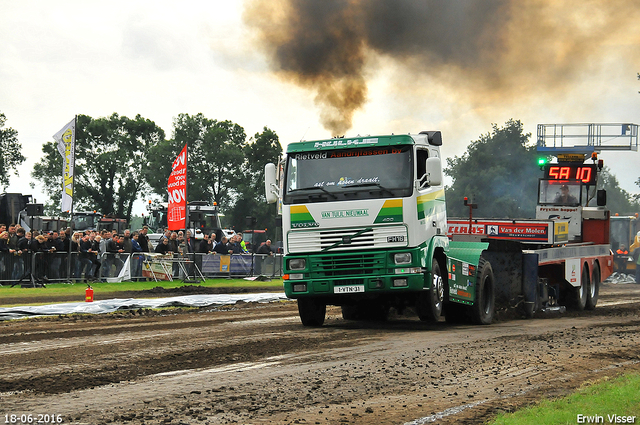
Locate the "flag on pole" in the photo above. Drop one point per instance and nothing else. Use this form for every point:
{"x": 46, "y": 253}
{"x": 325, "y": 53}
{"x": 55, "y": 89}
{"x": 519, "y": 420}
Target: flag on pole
{"x": 177, "y": 187}
{"x": 66, "y": 139}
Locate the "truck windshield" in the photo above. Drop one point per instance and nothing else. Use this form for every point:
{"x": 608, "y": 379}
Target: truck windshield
{"x": 83, "y": 221}
{"x": 349, "y": 174}
{"x": 560, "y": 192}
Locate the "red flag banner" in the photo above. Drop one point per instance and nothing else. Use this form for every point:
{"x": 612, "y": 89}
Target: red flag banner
{"x": 177, "y": 187}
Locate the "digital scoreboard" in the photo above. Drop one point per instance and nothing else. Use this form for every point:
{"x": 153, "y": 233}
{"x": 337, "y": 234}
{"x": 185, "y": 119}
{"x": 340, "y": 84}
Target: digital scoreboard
{"x": 586, "y": 173}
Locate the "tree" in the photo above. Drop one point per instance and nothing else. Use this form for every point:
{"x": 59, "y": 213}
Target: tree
{"x": 215, "y": 159}
{"x": 499, "y": 172}
{"x": 618, "y": 199}
{"x": 263, "y": 148}
{"x": 49, "y": 172}
{"x": 11, "y": 148}
{"x": 111, "y": 154}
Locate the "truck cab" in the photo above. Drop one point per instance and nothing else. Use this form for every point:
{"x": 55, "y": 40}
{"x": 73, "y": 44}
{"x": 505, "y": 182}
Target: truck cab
{"x": 364, "y": 223}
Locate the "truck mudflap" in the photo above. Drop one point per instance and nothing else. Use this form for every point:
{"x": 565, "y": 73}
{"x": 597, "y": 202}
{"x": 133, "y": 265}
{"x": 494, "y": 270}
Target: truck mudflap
{"x": 508, "y": 267}
{"x": 517, "y": 271}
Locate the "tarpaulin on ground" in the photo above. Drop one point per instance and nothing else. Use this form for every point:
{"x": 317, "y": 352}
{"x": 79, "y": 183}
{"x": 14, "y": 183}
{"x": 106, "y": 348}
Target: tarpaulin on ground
{"x": 108, "y": 306}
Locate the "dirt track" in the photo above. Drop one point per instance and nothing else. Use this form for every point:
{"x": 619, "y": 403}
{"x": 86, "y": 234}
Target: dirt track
{"x": 257, "y": 364}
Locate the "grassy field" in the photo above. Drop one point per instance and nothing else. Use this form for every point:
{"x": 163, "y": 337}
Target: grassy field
{"x": 608, "y": 401}
{"x": 78, "y": 289}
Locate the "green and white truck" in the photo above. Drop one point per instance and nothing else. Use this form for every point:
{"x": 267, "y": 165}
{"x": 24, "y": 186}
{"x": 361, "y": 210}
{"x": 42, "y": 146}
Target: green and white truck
{"x": 365, "y": 228}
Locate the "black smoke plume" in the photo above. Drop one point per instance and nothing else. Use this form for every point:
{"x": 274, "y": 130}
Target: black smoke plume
{"x": 490, "y": 50}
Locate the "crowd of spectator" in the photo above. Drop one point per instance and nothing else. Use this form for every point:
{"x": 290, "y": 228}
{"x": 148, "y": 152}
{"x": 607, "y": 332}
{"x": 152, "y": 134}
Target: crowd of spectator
{"x": 97, "y": 253}
{"x": 94, "y": 253}
{"x": 179, "y": 242}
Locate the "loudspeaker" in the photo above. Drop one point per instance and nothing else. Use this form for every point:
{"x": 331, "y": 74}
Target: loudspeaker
{"x": 35, "y": 209}
{"x": 601, "y": 199}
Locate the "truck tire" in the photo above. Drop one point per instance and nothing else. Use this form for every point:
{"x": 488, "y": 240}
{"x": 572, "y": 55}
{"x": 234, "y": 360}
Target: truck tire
{"x": 594, "y": 288}
{"x": 483, "y": 308}
{"x": 311, "y": 311}
{"x": 578, "y": 296}
{"x": 429, "y": 302}
{"x": 350, "y": 312}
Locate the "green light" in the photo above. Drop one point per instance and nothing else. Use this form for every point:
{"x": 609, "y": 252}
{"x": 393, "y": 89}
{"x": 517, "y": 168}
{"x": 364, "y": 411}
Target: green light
{"x": 542, "y": 161}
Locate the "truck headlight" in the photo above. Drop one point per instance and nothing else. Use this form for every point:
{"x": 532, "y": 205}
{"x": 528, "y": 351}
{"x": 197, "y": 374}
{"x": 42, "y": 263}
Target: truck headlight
{"x": 300, "y": 287}
{"x": 297, "y": 264}
{"x": 402, "y": 258}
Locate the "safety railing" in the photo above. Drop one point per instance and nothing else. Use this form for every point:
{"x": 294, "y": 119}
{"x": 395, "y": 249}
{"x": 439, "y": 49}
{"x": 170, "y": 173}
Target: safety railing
{"x": 50, "y": 267}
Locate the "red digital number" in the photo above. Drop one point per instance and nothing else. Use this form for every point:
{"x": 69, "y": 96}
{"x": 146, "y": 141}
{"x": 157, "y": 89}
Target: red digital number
{"x": 584, "y": 174}
{"x": 565, "y": 173}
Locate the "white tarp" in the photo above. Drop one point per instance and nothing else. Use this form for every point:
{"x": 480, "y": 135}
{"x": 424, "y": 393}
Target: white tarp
{"x": 108, "y": 306}
{"x": 125, "y": 273}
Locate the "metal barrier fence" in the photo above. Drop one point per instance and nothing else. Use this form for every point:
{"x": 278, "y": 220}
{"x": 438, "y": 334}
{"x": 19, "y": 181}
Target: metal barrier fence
{"x": 39, "y": 267}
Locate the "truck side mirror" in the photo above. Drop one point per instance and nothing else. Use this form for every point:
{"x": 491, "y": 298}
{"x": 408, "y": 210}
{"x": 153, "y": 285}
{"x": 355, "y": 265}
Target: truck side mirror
{"x": 270, "y": 186}
{"x": 434, "y": 171}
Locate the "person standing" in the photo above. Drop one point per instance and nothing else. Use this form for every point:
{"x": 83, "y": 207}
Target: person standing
{"x": 143, "y": 239}
{"x": 243, "y": 245}
{"x": 5, "y": 256}
{"x": 13, "y": 249}
{"x": 95, "y": 255}
{"x": 637, "y": 252}
{"x": 84, "y": 264}
{"x": 163, "y": 247}
{"x": 174, "y": 247}
{"x": 203, "y": 246}
{"x": 212, "y": 242}
{"x": 115, "y": 249}
{"x": 56, "y": 256}
{"x": 24, "y": 254}
{"x": 222, "y": 248}
{"x": 137, "y": 256}
{"x": 126, "y": 241}
{"x": 105, "y": 259}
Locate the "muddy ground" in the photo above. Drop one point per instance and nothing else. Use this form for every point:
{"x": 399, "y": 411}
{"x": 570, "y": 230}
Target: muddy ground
{"x": 256, "y": 364}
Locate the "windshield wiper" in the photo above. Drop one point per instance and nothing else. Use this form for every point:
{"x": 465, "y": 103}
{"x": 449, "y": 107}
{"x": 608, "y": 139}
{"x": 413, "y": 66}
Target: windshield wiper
{"x": 378, "y": 185}
{"x": 315, "y": 188}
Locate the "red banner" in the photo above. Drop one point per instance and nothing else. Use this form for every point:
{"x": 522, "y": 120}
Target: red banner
{"x": 177, "y": 187}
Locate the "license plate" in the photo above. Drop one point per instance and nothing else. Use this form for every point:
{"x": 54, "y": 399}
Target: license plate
{"x": 348, "y": 289}
{"x": 391, "y": 239}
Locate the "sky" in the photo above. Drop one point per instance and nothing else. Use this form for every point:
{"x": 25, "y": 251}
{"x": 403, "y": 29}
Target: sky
{"x": 457, "y": 66}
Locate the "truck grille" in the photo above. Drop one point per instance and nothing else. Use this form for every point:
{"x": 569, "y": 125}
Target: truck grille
{"x": 377, "y": 237}
{"x": 347, "y": 265}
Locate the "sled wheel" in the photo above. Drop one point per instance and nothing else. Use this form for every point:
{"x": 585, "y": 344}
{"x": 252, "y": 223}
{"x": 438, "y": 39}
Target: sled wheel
{"x": 594, "y": 288}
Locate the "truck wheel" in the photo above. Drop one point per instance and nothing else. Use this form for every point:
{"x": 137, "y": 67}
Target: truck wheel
{"x": 594, "y": 288}
{"x": 350, "y": 312}
{"x": 484, "y": 305}
{"x": 578, "y": 296}
{"x": 311, "y": 311}
{"x": 429, "y": 302}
